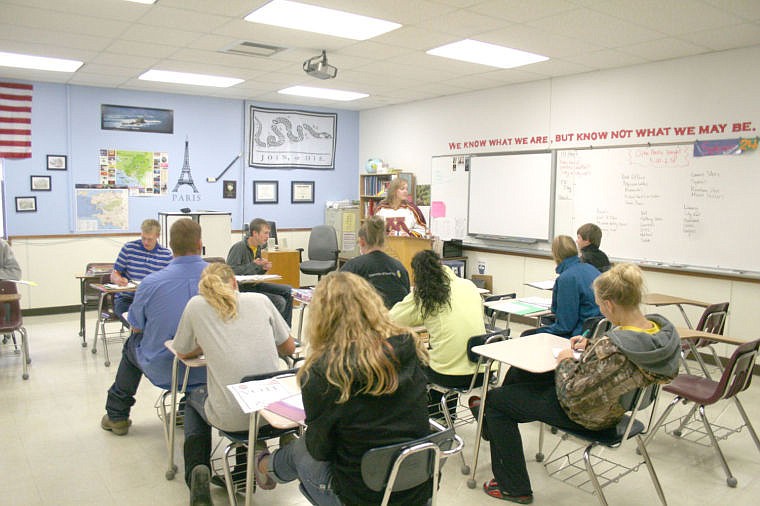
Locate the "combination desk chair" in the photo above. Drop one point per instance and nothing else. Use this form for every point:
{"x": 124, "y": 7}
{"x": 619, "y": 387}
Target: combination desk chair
{"x": 323, "y": 252}
{"x": 713, "y": 320}
{"x": 231, "y": 466}
{"x": 406, "y": 465}
{"x": 569, "y": 467}
{"x": 11, "y": 322}
{"x": 491, "y": 315}
{"x": 703, "y": 392}
{"x": 450, "y": 408}
{"x": 89, "y": 297}
{"x": 106, "y": 315}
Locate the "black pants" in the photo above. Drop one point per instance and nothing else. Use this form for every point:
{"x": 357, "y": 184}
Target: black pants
{"x": 524, "y": 397}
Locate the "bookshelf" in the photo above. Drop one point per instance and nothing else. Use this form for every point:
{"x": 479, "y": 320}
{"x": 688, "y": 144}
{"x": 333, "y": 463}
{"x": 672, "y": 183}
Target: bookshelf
{"x": 372, "y": 190}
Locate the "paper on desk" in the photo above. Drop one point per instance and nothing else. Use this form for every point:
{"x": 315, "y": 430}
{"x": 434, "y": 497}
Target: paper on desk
{"x": 255, "y": 395}
{"x": 556, "y": 352}
{"x": 514, "y": 307}
{"x": 23, "y": 282}
{"x": 254, "y": 278}
{"x": 544, "y": 302}
{"x": 290, "y": 407}
{"x": 114, "y": 286}
{"x": 542, "y": 285}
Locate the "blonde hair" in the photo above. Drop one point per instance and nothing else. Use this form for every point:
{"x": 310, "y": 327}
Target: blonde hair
{"x": 348, "y": 331}
{"x": 392, "y": 196}
{"x": 563, "y": 247}
{"x": 373, "y": 232}
{"x": 150, "y": 226}
{"x": 215, "y": 287}
{"x": 623, "y": 284}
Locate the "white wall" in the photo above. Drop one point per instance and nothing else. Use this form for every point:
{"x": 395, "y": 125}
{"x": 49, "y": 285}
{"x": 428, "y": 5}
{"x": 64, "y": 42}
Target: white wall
{"x": 54, "y": 263}
{"x": 714, "y": 89}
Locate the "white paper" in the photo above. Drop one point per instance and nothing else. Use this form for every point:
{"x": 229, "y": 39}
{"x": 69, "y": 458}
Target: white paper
{"x": 542, "y": 285}
{"x": 257, "y": 278}
{"x": 544, "y": 302}
{"x": 255, "y": 395}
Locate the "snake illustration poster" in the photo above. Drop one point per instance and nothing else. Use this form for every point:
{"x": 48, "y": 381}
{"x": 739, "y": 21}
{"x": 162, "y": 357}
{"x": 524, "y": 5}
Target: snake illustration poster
{"x": 282, "y": 138}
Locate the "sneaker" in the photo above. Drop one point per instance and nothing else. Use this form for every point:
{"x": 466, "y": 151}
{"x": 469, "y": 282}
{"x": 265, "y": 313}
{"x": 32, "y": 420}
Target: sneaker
{"x": 263, "y": 480}
{"x": 492, "y": 489}
{"x": 200, "y": 492}
{"x": 118, "y": 427}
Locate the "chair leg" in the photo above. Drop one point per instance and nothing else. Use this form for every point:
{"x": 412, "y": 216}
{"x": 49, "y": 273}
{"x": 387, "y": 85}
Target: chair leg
{"x": 24, "y": 353}
{"x": 107, "y": 362}
{"x": 750, "y": 429}
{"x": 228, "y": 472}
{"x": 655, "y": 481}
{"x": 663, "y": 416}
{"x": 592, "y": 475}
{"x": 540, "y": 453}
{"x": 730, "y": 479}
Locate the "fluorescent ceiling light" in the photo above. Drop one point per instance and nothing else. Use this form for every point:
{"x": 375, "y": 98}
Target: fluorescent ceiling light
{"x": 312, "y": 18}
{"x": 25, "y": 61}
{"x": 167, "y": 76}
{"x": 143, "y": 1}
{"x": 474, "y": 51}
{"x": 326, "y": 93}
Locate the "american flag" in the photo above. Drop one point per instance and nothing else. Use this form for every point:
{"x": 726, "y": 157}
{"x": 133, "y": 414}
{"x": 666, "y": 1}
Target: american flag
{"x": 15, "y": 120}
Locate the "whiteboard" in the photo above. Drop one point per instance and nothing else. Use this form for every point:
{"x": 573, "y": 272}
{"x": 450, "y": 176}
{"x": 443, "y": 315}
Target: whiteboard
{"x": 510, "y": 196}
{"x": 450, "y": 178}
{"x": 663, "y": 205}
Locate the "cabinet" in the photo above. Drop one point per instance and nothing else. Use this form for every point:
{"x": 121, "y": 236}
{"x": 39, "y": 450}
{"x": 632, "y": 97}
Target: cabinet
{"x": 372, "y": 190}
{"x": 345, "y": 221}
{"x": 216, "y": 230}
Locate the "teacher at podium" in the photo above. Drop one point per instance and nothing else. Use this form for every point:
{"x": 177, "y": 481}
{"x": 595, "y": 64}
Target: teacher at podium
{"x": 402, "y": 218}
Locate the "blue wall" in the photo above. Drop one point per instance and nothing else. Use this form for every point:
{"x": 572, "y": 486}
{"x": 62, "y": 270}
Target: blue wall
{"x": 66, "y": 121}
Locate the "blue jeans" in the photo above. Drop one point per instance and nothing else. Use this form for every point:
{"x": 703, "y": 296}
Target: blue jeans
{"x": 197, "y": 447}
{"x": 294, "y": 462}
{"x": 121, "y": 395}
{"x": 279, "y": 295}
{"x": 121, "y": 305}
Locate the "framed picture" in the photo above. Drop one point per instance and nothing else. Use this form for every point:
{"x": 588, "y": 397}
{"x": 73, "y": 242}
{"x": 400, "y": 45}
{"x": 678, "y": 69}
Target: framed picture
{"x": 302, "y": 192}
{"x": 229, "y": 189}
{"x": 265, "y": 192}
{"x": 56, "y": 162}
{"x": 40, "y": 183}
{"x": 136, "y": 119}
{"x": 26, "y": 204}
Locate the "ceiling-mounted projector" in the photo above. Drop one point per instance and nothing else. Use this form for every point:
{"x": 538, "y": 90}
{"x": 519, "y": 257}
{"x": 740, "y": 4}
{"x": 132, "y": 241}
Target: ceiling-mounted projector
{"x": 319, "y": 68}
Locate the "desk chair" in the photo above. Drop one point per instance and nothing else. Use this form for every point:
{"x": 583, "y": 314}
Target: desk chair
{"x": 569, "y": 467}
{"x": 703, "y": 392}
{"x": 451, "y": 396}
{"x": 491, "y": 315}
{"x": 713, "y": 320}
{"x": 106, "y": 315}
{"x": 11, "y": 322}
{"x": 231, "y": 465}
{"x": 323, "y": 252}
{"x": 402, "y": 466}
{"x": 89, "y": 297}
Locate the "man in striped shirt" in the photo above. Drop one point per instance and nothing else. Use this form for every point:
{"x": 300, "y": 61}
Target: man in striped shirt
{"x": 136, "y": 260}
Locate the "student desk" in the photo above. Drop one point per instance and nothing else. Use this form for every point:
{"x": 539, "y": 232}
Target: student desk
{"x": 170, "y": 421}
{"x": 518, "y": 307}
{"x": 659, "y": 299}
{"x": 94, "y": 273}
{"x": 691, "y": 337}
{"x": 532, "y": 353}
{"x": 106, "y": 289}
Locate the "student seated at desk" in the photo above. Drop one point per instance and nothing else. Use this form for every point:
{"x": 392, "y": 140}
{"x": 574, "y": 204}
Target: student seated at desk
{"x": 245, "y": 258}
{"x": 638, "y": 351}
{"x": 362, "y": 388}
{"x": 385, "y": 273}
{"x": 572, "y": 296}
{"x": 240, "y": 334}
{"x": 451, "y": 310}
{"x": 589, "y": 239}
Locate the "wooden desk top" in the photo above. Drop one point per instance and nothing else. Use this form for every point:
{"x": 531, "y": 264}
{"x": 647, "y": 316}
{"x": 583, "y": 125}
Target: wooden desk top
{"x": 8, "y": 297}
{"x": 109, "y": 289}
{"x": 199, "y": 361}
{"x": 278, "y": 421}
{"x": 661, "y": 299}
{"x": 687, "y": 333}
{"x": 532, "y": 353}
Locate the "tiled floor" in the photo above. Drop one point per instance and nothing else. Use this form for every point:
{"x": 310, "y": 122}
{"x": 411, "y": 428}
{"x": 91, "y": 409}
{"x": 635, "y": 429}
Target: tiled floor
{"x": 55, "y": 454}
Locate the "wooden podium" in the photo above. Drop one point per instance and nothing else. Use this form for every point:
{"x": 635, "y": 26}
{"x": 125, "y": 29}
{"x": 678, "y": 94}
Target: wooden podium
{"x": 404, "y": 248}
{"x": 286, "y": 263}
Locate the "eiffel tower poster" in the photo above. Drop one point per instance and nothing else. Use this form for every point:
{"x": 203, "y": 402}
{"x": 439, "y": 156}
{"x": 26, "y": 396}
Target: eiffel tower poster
{"x": 185, "y": 177}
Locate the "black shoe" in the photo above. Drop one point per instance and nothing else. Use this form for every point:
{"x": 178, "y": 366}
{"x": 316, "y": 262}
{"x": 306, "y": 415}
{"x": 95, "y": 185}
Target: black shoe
{"x": 200, "y": 492}
{"x": 474, "y": 404}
